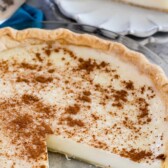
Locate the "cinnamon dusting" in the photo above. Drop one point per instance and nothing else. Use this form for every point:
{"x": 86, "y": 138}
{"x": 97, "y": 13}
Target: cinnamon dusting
{"x": 51, "y": 70}
{"x": 73, "y": 109}
{"x": 129, "y": 85}
{"x": 161, "y": 157}
{"x": 74, "y": 122}
{"x": 89, "y": 65}
{"x": 43, "y": 79}
{"x": 136, "y": 155}
{"x": 28, "y": 132}
{"x": 143, "y": 107}
{"x": 39, "y": 57}
{"x": 85, "y": 99}
{"x": 19, "y": 79}
{"x": 28, "y": 99}
{"x": 28, "y": 66}
{"x": 22, "y": 122}
{"x": 87, "y": 93}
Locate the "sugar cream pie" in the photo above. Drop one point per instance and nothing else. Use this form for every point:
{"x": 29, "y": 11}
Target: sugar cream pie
{"x": 82, "y": 96}
{"x": 161, "y": 5}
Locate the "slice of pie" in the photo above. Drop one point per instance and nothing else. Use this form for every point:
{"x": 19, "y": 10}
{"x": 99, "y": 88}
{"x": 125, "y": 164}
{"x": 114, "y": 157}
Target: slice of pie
{"x": 82, "y": 96}
{"x": 161, "y": 5}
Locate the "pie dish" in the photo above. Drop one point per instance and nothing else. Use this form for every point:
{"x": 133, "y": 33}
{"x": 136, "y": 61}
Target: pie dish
{"x": 108, "y": 14}
{"x": 82, "y": 96}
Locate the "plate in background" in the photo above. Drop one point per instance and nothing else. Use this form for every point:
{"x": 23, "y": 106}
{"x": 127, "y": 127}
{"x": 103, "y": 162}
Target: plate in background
{"x": 116, "y": 17}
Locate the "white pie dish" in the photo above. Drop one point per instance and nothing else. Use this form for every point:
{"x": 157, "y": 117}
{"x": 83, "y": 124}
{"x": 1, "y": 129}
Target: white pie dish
{"x": 116, "y": 17}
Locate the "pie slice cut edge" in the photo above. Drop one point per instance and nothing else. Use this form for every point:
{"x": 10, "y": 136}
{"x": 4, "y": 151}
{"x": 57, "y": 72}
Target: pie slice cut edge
{"x": 82, "y": 96}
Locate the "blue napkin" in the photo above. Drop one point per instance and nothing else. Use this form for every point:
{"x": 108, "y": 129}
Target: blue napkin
{"x": 25, "y": 17}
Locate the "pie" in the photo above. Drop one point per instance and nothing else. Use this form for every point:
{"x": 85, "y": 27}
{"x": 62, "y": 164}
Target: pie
{"x": 161, "y": 5}
{"x": 81, "y": 96}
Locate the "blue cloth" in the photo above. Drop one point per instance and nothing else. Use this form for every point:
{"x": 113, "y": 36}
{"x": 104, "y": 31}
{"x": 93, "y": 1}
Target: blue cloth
{"x": 25, "y": 17}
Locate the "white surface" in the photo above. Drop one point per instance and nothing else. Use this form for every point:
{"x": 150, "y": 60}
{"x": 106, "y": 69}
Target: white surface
{"x": 114, "y": 16}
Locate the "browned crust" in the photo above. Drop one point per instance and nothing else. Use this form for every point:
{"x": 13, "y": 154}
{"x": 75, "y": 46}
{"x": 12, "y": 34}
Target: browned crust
{"x": 16, "y": 38}
{"x": 143, "y": 6}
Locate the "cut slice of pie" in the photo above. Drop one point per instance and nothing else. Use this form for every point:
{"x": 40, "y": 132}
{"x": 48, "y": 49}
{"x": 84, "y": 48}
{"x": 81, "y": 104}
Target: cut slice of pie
{"x": 161, "y": 5}
{"x": 82, "y": 96}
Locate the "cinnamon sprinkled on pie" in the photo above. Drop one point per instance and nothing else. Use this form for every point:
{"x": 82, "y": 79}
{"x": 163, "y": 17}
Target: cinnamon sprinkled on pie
{"x": 161, "y": 157}
{"x": 67, "y": 99}
{"x": 87, "y": 93}
{"x": 143, "y": 107}
{"x": 120, "y": 96}
{"x": 51, "y": 70}
{"x": 29, "y": 99}
{"x": 89, "y": 65}
{"x": 74, "y": 122}
{"x": 85, "y": 99}
{"x": 39, "y": 57}
{"x": 28, "y": 66}
{"x": 135, "y": 155}
{"x": 129, "y": 85}
{"x": 73, "y": 109}
{"x": 24, "y": 129}
{"x": 21, "y": 122}
{"x": 47, "y": 50}
{"x": 19, "y": 79}
{"x": 43, "y": 79}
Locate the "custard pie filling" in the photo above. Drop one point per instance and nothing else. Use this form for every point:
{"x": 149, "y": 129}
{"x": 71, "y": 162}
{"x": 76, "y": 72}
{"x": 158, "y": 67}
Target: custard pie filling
{"x": 80, "y": 101}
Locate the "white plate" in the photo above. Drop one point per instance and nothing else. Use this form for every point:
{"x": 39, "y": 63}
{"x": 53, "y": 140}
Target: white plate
{"x": 116, "y": 17}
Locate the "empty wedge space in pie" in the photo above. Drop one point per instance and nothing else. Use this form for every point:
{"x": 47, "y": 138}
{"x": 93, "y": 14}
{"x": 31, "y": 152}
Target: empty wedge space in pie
{"x": 81, "y": 96}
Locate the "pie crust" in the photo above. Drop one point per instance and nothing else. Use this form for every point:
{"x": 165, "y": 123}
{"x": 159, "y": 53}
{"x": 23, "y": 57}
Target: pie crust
{"x": 10, "y": 38}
